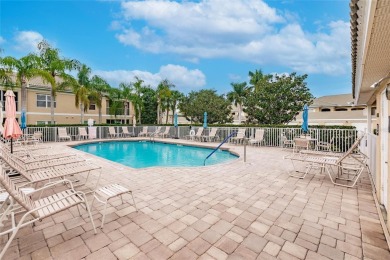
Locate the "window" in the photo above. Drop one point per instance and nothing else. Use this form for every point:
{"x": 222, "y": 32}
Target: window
{"x": 41, "y": 123}
{"x": 341, "y": 109}
{"x": 325, "y": 110}
{"x": 92, "y": 106}
{"x": 44, "y": 100}
{"x": 357, "y": 108}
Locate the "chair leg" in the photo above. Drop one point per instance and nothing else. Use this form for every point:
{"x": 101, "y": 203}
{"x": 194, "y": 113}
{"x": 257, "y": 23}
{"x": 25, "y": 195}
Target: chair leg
{"x": 135, "y": 206}
{"x": 89, "y": 212}
{"x": 104, "y": 213}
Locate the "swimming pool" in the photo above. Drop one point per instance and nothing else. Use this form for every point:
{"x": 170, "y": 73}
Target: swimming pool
{"x": 142, "y": 154}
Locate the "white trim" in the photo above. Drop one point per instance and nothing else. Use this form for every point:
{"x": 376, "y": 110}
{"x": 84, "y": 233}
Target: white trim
{"x": 61, "y": 114}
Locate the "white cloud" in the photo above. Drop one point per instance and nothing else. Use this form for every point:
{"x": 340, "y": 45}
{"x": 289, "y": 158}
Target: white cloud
{"x": 183, "y": 78}
{"x": 27, "y": 41}
{"x": 2, "y": 40}
{"x": 248, "y": 30}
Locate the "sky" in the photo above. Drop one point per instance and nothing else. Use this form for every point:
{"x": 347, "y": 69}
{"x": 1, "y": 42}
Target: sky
{"x": 196, "y": 44}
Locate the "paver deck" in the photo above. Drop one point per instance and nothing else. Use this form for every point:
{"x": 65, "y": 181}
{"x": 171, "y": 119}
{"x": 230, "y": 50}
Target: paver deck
{"x": 236, "y": 210}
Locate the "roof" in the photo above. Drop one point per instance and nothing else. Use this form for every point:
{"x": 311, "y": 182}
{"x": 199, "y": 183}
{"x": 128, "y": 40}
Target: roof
{"x": 333, "y": 101}
{"x": 370, "y": 48}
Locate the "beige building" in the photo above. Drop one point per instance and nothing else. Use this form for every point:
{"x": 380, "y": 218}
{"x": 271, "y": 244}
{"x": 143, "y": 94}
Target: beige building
{"x": 38, "y": 107}
{"x": 370, "y": 34}
{"x": 336, "y": 110}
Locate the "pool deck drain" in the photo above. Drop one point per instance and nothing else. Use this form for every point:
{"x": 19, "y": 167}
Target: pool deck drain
{"x": 234, "y": 210}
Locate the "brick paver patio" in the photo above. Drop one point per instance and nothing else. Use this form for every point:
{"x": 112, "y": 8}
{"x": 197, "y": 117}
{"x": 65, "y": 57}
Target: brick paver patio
{"x": 237, "y": 210}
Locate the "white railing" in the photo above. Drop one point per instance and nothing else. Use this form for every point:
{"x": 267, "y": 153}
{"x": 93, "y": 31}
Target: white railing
{"x": 368, "y": 147}
{"x": 341, "y": 139}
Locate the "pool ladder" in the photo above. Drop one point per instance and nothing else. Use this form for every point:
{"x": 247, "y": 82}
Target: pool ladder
{"x": 224, "y": 141}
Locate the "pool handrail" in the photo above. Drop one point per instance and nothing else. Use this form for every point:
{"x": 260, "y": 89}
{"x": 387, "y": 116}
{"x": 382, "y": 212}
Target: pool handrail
{"x": 224, "y": 141}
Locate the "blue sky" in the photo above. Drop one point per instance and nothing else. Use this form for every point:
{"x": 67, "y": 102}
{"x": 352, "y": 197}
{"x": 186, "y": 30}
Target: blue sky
{"x": 195, "y": 44}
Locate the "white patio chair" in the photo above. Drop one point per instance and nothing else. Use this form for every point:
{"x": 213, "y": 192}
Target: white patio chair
{"x": 144, "y": 131}
{"x": 62, "y": 134}
{"x": 111, "y": 132}
{"x": 259, "y": 137}
{"x": 83, "y": 133}
{"x": 38, "y": 209}
{"x": 239, "y": 137}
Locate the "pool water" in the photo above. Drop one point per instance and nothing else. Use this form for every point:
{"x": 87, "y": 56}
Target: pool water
{"x": 148, "y": 154}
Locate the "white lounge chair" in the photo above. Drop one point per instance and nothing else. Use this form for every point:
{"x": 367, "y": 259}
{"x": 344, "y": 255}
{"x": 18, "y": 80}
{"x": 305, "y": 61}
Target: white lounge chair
{"x": 62, "y": 134}
{"x": 259, "y": 137}
{"x": 212, "y": 135}
{"x": 166, "y": 132}
{"x": 156, "y": 133}
{"x": 125, "y": 132}
{"x": 326, "y": 162}
{"x": 37, "y": 209}
{"x": 327, "y": 146}
{"x": 111, "y": 132}
{"x": 144, "y": 131}
{"x": 83, "y": 133}
{"x": 240, "y": 136}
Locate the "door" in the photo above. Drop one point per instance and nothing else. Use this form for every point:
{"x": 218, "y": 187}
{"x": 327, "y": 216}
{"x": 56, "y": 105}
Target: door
{"x": 384, "y": 135}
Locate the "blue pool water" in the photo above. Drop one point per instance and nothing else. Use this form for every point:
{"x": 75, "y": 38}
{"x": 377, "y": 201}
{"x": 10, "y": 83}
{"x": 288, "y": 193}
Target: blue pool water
{"x": 148, "y": 154}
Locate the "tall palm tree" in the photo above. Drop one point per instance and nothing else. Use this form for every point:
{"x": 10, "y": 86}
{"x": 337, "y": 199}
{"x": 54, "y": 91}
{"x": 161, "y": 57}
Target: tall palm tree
{"x": 127, "y": 94}
{"x": 176, "y": 97}
{"x": 82, "y": 90}
{"x": 258, "y": 79}
{"x": 5, "y": 73}
{"x": 163, "y": 93}
{"x": 99, "y": 89}
{"x": 116, "y": 101}
{"x": 237, "y": 96}
{"x": 26, "y": 68}
{"x": 137, "y": 98}
{"x": 56, "y": 66}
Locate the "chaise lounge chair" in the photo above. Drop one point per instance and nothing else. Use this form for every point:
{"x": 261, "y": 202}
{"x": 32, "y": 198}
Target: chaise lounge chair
{"x": 166, "y": 132}
{"x": 212, "y": 135}
{"x": 240, "y": 136}
{"x": 326, "y": 161}
{"x": 259, "y": 137}
{"x": 62, "y": 134}
{"x": 38, "y": 209}
{"x": 144, "y": 131}
{"x": 125, "y": 132}
{"x": 111, "y": 132}
{"x": 83, "y": 133}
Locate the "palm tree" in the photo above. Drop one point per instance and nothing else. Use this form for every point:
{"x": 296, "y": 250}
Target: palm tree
{"x": 163, "y": 92}
{"x": 176, "y": 97}
{"x": 258, "y": 79}
{"x": 116, "y": 101}
{"x": 56, "y": 66}
{"x": 82, "y": 90}
{"x": 26, "y": 68}
{"x": 99, "y": 88}
{"x": 137, "y": 98}
{"x": 127, "y": 94}
{"x": 5, "y": 73}
{"x": 237, "y": 96}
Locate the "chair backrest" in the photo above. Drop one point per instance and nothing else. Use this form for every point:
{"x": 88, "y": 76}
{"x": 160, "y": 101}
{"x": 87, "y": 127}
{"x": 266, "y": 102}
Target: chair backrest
{"x": 259, "y": 134}
{"x": 111, "y": 130}
{"x": 199, "y": 132}
{"x": 301, "y": 142}
{"x": 167, "y": 128}
{"x": 144, "y": 129}
{"x": 15, "y": 193}
{"x": 37, "y": 135}
{"x": 62, "y": 131}
{"x": 82, "y": 131}
{"x": 158, "y": 130}
{"x": 125, "y": 130}
{"x": 241, "y": 133}
{"x": 213, "y": 131}
{"x": 351, "y": 149}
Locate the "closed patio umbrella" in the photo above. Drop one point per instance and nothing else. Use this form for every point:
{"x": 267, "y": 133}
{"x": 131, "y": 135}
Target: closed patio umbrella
{"x": 175, "y": 124}
{"x": 23, "y": 124}
{"x": 305, "y": 117}
{"x": 11, "y": 126}
{"x": 205, "y": 120}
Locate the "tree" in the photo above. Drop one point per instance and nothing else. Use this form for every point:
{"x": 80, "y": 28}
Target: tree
{"x": 26, "y": 68}
{"x": 55, "y": 65}
{"x": 99, "y": 89}
{"x": 176, "y": 98}
{"x": 82, "y": 90}
{"x": 279, "y": 100}
{"x": 258, "y": 79}
{"x": 127, "y": 94}
{"x": 237, "y": 96}
{"x": 163, "y": 93}
{"x": 197, "y": 102}
{"x": 116, "y": 102}
{"x": 137, "y": 98}
{"x": 150, "y": 105}
{"x": 5, "y": 73}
